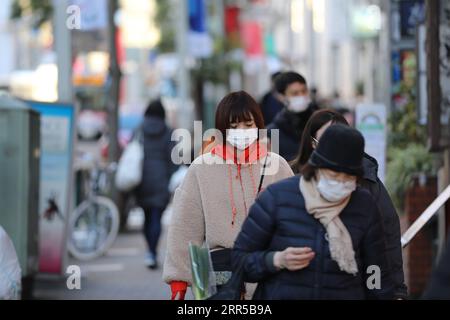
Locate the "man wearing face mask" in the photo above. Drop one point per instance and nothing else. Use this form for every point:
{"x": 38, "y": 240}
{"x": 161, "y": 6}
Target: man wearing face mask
{"x": 292, "y": 119}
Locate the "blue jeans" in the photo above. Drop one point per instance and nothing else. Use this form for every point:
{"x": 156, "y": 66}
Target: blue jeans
{"x": 152, "y": 228}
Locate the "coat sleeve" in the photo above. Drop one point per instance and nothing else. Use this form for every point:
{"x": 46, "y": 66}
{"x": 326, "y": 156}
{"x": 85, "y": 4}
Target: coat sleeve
{"x": 187, "y": 225}
{"x": 391, "y": 228}
{"x": 253, "y": 241}
{"x": 376, "y": 272}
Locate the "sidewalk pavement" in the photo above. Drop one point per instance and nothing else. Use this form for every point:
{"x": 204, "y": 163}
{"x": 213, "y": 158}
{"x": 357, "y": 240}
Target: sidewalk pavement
{"x": 119, "y": 275}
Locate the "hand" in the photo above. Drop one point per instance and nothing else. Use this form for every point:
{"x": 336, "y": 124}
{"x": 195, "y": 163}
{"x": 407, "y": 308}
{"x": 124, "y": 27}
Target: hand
{"x": 293, "y": 259}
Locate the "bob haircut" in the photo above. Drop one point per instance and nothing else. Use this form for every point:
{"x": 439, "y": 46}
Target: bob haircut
{"x": 237, "y": 107}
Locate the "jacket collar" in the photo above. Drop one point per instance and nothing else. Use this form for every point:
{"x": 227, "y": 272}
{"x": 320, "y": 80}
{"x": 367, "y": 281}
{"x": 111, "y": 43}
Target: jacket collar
{"x": 370, "y": 166}
{"x": 292, "y": 123}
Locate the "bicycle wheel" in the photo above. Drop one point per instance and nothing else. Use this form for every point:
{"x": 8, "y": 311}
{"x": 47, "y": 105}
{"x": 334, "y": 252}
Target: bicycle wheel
{"x": 93, "y": 228}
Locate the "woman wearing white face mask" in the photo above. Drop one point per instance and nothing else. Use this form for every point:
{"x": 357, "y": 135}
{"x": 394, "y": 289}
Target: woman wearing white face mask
{"x": 219, "y": 187}
{"x": 315, "y": 236}
{"x": 314, "y": 129}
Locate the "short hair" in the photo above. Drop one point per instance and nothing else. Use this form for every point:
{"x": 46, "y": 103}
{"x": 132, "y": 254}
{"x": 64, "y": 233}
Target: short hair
{"x": 275, "y": 75}
{"x": 155, "y": 109}
{"x": 237, "y": 107}
{"x": 284, "y": 80}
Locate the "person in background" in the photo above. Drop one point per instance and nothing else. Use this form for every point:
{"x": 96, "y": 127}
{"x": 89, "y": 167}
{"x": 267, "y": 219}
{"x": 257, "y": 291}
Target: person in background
{"x": 316, "y": 126}
{"x": 439, "y": 285}
{"x": 292, "y": 119}
{"x": 270, "y": 103}
{"x": 317, "y": 236}
{"x": 153, "y": 194}
{"x": 220, "y": 185}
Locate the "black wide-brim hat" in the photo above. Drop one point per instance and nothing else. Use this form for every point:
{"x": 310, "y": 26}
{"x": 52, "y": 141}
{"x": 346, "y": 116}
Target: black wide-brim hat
{"x": 341, "y": 149}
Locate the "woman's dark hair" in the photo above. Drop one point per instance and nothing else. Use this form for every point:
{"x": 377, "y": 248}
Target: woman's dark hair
{"x": 317, "y": 121}
{"x": 285, "y": 79}
{"x": 237, "y": 107}
{"x": 308, "y": 171}
{"x": 155, "y": 109}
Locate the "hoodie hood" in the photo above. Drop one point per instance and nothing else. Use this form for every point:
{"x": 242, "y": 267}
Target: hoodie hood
{"x": 249, "y": 156}
{"x": 153, "y": 126}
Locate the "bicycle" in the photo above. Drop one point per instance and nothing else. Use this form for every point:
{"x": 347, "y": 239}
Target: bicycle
{"x": 94, "y": 224}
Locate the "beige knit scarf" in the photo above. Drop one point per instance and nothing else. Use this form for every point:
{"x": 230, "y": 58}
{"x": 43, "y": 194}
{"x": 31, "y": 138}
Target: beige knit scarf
{"x": 340, "y": 242}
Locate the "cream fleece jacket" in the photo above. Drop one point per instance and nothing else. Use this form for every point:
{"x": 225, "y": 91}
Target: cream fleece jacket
{"x": 202, "y": 207}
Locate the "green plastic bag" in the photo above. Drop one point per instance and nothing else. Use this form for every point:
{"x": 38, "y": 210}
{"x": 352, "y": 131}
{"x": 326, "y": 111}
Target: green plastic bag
{"x": 203, "y": 278}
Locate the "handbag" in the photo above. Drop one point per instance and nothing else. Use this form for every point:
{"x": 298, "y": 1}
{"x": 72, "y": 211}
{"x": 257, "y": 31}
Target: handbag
{"x": 129, "y": 170}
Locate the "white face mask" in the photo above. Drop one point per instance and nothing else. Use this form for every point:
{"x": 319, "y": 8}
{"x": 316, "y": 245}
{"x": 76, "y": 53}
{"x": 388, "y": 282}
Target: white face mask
{"x": 242, "y": 138}
{"x": 298, "y": 104}
{"x": 333, "y": 190}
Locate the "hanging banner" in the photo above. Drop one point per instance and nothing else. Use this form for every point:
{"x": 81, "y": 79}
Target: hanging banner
{"x": 371, "y": 121}
{"x": 57, "y": 126}
{"x": 253, "y": 39}
{"x": 199, "y": 41}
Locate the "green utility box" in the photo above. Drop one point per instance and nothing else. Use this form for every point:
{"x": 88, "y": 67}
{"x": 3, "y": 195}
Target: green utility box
{"x": 19, "y": 181}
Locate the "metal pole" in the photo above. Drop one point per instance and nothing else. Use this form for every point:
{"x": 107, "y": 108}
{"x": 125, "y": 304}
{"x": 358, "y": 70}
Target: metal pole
{"x": 114, "y": 85}
{"x": 433, "y": 74}
{"x": 63, "y": 48}
{"x": 183, "y": 72}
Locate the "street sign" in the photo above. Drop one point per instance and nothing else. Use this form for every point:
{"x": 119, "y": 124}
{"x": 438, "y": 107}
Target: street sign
{"x": 371, "y": 120}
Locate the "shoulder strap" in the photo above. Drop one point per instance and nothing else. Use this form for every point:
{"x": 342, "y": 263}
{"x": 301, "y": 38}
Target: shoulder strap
{"x": 261, "y": 180}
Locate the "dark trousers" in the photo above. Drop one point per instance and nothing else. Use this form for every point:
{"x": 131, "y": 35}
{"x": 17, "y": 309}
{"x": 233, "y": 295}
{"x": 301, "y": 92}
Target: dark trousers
{"x": 152, "y": 228}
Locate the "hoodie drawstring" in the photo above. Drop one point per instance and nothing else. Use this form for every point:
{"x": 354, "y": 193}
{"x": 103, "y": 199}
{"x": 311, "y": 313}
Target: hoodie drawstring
{"x": 231, "y": 194}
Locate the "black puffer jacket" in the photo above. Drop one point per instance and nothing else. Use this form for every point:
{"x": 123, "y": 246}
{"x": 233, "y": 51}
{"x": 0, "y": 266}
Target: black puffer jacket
{"x": 158, "y": 166}
{"x": 391, "y": 224}
{"x": 290, "y": 126}
{"x": 278, "y": 220}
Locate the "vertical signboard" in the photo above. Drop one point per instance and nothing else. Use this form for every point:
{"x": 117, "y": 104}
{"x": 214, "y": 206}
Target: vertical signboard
{"x": 57, "y": 126}
{"x": 371, "y": 120}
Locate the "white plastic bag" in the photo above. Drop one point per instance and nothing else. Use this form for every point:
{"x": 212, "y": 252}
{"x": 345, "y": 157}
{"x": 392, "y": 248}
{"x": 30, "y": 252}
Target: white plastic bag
{"x": 177, "y": 178}
{"x": 10, "y": 273}
{"x": 129, "y": 170}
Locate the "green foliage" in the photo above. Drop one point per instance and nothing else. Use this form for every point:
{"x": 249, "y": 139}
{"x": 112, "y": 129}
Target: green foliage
{"x": 403, "y": 125}
{"x": 404, "y": 165}
{"x": 408, "y": 155}
{"x": 165, "y": 20}
{"x": 41, "y": 10}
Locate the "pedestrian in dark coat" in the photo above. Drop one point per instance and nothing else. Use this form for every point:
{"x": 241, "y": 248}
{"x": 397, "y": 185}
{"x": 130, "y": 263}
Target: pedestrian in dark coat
{"x": 291, "y": 121}
{"x": 314, "y": 129}
{"x": 153, "y": 193}
{"x": 270, "y": 103}
{"x": 439, "y": 285}
{"x": 318, "y": 236}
